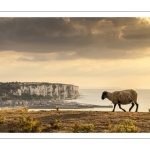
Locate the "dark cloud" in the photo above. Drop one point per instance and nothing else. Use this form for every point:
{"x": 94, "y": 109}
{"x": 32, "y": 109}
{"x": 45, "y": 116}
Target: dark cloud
{"x": 139, "y": 33}
{"x": 94, "y": 38}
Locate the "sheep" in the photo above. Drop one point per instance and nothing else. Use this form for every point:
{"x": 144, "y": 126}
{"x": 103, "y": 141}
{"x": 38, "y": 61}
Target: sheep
{"x": 122, "y": 97}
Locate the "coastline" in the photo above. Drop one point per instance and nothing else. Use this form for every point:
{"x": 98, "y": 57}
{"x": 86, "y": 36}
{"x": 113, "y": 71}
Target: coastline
{"x": 72, "y": 107}
{"x": 61, "y": 107}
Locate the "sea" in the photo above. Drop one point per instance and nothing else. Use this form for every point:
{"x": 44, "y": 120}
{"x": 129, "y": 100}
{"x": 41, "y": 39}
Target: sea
{"x": 93, "y": 96}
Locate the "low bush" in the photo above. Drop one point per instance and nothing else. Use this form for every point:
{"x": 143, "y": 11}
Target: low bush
{"x": 83, "y": 128}
{"x": 126, "y": 127}
{"x": 28, "y": 124}
{"x": 56, "y": 124}
{"x": 2, "y": 119}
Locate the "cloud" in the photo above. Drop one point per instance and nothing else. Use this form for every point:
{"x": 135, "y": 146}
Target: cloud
{"x": 92, "y": 38}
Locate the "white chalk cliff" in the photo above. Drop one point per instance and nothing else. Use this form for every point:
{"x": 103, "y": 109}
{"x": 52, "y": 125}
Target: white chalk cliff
{"x": 61, "y": 91}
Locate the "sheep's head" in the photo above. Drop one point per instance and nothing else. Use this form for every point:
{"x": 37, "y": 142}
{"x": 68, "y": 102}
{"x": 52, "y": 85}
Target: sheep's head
{"x": 104, "y": 95}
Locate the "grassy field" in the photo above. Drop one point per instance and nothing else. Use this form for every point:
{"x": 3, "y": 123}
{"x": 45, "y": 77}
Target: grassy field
{"x": 58, "y": 121}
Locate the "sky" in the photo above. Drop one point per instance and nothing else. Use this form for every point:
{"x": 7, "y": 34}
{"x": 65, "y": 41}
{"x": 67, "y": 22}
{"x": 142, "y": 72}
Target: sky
{"x": 88, "y": 52}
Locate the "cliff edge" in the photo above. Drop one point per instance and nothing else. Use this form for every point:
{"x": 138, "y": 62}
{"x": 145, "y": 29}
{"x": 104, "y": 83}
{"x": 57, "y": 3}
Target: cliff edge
{"x": 37, "y": 90}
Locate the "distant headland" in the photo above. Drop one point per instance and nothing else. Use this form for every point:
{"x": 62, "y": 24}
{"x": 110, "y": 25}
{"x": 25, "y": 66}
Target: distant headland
{"x": 37, "y": 90}
{"x": 40, "y": 95}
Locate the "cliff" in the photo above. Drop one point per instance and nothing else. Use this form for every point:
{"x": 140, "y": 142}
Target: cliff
{"x": 12, "y": 90}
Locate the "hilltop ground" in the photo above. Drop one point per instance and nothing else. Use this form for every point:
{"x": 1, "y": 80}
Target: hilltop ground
{"x": 101, "y": 120}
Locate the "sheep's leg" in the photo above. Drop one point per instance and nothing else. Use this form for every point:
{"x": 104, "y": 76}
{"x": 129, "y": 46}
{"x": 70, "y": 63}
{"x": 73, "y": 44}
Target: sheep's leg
{"x": 114, "y": 107}
{"x": 137, "y": 106}
{"x": 120, "y": 107}
{"x": 131, "y": 106}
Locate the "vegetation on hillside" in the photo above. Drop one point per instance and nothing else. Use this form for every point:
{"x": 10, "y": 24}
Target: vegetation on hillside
{"x": 5, "y": 88}
{"x": 22, "y": 120}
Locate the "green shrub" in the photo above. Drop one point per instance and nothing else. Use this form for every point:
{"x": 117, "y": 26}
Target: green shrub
{"x": 2, "y": 119}
{"x": 83, "y": 128}
{"x": 56, "y": 124}
{"x": 126, "y": 127}
{"x": 28, "y": 124}
{"x": 87, "y": 128}
{"x": 75, "y": 128}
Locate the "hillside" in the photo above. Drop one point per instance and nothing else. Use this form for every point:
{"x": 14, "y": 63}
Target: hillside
{"x": 57, "y": 121}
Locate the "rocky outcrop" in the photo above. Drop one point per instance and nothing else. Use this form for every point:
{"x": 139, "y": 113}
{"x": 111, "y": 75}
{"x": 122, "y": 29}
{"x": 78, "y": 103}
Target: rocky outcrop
{"x": 55, "y": 90}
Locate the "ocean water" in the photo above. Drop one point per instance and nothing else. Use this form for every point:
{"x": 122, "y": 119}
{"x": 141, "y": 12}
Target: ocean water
{"x": 93, "y": 96}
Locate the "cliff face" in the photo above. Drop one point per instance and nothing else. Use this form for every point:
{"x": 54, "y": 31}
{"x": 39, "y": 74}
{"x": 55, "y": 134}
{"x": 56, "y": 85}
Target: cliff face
{"x": 59, "y": 91}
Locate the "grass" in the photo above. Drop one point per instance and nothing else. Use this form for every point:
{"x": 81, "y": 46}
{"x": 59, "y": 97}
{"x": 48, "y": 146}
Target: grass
{"x": 74, "y": 122}
{"x": 22, "y": 109}
{"x": 19, "y": 109}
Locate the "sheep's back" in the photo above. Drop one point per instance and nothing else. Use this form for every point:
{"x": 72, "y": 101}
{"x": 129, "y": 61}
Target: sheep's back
{"x": 125, "y": 96}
